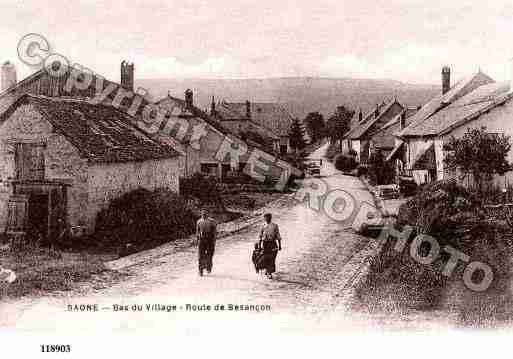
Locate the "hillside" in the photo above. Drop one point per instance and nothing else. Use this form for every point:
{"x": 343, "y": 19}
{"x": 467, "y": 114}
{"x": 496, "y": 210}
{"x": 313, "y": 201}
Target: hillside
{"x": 300, "y": 95}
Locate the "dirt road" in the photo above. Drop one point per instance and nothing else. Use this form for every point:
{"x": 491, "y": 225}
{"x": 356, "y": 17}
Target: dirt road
{"x": 319, "y": 261}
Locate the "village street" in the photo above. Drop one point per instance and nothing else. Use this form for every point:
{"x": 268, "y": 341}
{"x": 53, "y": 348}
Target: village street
{"x": 319, "y": 262}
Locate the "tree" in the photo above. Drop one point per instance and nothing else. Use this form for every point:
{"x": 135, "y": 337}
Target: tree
{"x": 315, "y": 126}
{"x": 478, "y": 155}
{"x": 296, "y": 135}
{"x": 338, "y": 124}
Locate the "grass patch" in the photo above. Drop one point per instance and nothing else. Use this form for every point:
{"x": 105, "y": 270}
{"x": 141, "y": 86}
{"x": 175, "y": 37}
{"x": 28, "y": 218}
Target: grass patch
{"x": 450, "y": 215}
{"x": 41, "y": 270}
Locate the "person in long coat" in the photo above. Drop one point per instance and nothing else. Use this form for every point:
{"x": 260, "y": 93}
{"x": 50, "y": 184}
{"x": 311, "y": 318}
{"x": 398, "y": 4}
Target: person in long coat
{"x": 206, "y": 231}
{"x": 270, "y": 240}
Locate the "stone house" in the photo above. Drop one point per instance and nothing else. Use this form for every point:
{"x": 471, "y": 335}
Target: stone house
{"x": 270, "y": 120}
{"x": 63, "y": 160}
{"x": 217, "y": 150}
{"x": 176, "y": 129}
{"x": 419, "y": 149}
{"x": 360, "y": 136}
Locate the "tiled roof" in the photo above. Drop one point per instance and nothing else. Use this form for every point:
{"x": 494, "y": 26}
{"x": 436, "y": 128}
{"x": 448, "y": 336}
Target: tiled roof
{"x": 270, "y": 115}
{"x": 369, "y": 120}
{"x": 460, "y": 89}
{"x": 193, "y": 111}
{"x": 196, "y": 112}
{"x": 463, "y": 109}
{"x": 100, "y": 132}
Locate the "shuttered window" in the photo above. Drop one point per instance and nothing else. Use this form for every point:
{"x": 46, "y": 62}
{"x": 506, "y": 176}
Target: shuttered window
{"x": 30, "y": 161}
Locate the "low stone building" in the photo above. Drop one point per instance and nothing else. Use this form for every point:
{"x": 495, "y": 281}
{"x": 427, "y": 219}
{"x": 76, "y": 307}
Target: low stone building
{"x": 63, "y": 160}
{"x": 269, "y": 120}
{"x": 359, "y": 137}
{"x": 211, "y": 148}
{"x": 418, "y": 152}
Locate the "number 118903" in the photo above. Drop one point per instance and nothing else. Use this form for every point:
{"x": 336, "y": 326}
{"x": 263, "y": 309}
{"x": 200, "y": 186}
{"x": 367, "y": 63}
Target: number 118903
{"x": 45, "y": 348}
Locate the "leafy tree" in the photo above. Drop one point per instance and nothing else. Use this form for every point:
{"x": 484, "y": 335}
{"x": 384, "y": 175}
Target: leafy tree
{"x": 338, "y": 124}
{"x": 479, "y": 155}
{"x": 296, "y": 135}
{"x": 315, "y": 126}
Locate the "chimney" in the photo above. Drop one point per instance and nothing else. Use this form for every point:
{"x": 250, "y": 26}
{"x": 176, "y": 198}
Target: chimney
{"x": 360, "y": 115}
{"x": 189, "y": 98}
{"x": 376, "y": 111}
{"x": 248, "y": 110}
{"x": 127, "y": 76}
{"x": 8, "y": 76}
{"x": 213, "y": 107}
{"x": 446, "y": 79}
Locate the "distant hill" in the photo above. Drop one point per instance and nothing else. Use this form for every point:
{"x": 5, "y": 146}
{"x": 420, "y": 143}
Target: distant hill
{"x": 300, "y": 95}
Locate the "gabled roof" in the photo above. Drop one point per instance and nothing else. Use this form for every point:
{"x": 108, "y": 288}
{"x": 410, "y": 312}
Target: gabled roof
{"x": 99, "y": 132}
{"x": 42, "y": 83}
{"x": 437, "y": 103}
{"x": 271, "y": 115}
{"x": 384, "y": 137}
{"x": 193, "y": 111}
{"x": 196, "y": 112}
{"x": 462, "y": 110}
{"x": 370, "y": 119}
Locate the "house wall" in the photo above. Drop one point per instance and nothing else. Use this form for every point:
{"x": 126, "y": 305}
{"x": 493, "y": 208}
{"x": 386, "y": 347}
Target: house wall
{"x": 62, "y": 161}
{"x": 109, "y": 181}
{"x": 499, "y": 120}
{"x": 355, "y": 145}
{"x": 415, "y": 146}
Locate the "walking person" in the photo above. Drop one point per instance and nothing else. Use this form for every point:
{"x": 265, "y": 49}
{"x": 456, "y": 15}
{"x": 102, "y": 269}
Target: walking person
{"x": 270, "y": 241}
{"x": 206, "y": 231}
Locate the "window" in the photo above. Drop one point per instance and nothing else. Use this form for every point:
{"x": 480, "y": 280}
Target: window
{"x": 29, "y": 161}
{"x": 283, "y": 149}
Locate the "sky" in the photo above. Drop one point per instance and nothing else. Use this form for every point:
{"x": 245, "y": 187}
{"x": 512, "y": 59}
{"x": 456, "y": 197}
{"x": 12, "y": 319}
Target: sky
{"x": 405, "y": 40}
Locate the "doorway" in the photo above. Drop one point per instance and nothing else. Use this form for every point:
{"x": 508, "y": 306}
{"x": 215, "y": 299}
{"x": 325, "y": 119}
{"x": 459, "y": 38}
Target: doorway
{"x": 38, "y": 216}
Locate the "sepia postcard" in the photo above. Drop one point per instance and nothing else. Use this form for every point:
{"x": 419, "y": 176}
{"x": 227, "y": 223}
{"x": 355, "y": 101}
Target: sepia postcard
{"x": 255, "y": 178}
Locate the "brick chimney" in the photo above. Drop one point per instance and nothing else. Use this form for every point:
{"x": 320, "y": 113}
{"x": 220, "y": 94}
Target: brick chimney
{"x": 446, "y": 79}
{"x": 8, "y": 76}
{"x": 360, "y": 115}
{"x": 248, "y": 110}
{"x": 189, "y": 102}
{"x": 127, "y": 76}
{"x": 376, "y": 111}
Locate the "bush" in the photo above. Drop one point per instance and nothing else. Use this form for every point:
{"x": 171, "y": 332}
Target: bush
{"x": 451, "y": 215}
{"x": 201, "y": 187}
{"x": 145, "y": 219}
{"x": 345, "y": 163}
{"x": 431, "y": 210}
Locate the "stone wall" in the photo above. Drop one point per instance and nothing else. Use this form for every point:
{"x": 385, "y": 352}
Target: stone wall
{"x": 109, "y": 181}
{"x": 62, "y": 160}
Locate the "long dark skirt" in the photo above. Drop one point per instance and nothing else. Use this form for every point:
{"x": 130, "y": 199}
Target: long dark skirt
{"x": 270, "y": 252}
{"x": 206, "y": 250}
